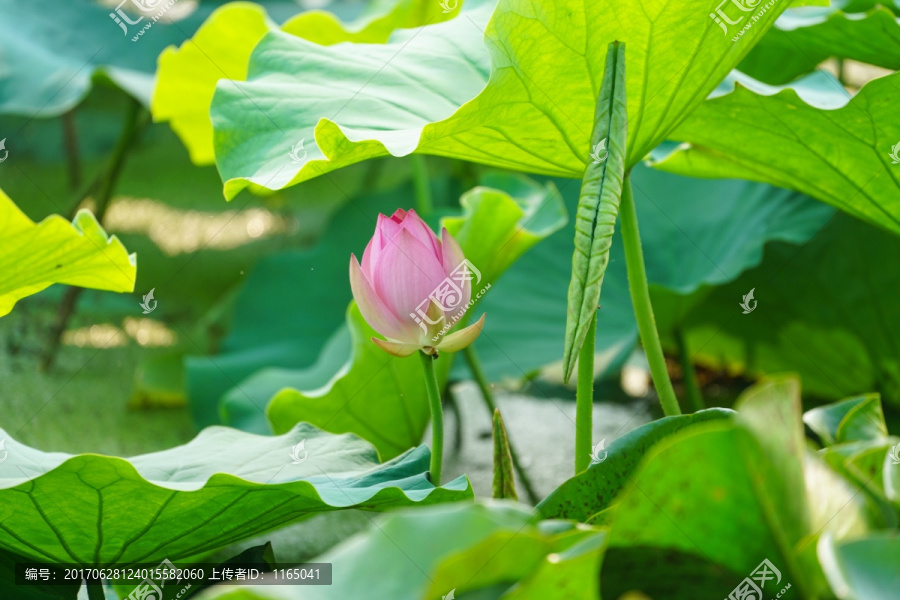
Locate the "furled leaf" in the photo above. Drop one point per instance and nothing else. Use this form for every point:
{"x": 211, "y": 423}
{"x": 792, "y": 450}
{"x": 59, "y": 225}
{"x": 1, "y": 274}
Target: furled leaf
{"x": 35, "y": 256}
{"x": 862, "y": 569}
{"x": 223, "y": 486}
{"x": 598, "y": 205}
{"x": 804, "y": 38}
{"x": 808, "y": 319}
{"x": 470, "y": 88}
{"x": 220, "y": 49}
{"x": 689, "y": 243}
{"x": 455, "y": 551}
{"x": 852, "y": 420}
{"x": 595, "y": 489}
{"x": 504, "y": 485}
{"x": 808, "y": 136}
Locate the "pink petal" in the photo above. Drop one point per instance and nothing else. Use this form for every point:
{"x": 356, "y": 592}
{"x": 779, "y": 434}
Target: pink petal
{"x": 371, "y": 254}
{"x": 386, "y": 229}
{"x": 374, "y": 310}
{"x": 405, "y": 276}
{"x": 422, "y": 232}
{"x": 453, "y": 258}
{"x": 460, "y": 339}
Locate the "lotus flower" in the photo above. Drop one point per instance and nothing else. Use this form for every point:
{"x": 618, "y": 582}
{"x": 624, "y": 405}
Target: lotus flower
{"x": 413, "y": 287}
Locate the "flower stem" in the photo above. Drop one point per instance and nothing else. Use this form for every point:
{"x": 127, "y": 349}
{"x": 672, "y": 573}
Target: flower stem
{"x": 437, "y": 418}
{"x": 484, "y": 385}
{"x": 424, "y": 201}
{"x": 584, "y": 400}
{"x": 94, "y": 589}
{"x": 640, "y": 297}
{"x": 693, "y": 397}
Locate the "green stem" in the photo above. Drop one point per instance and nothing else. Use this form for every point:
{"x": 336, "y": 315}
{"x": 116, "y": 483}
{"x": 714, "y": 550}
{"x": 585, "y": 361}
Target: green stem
{"x": 437, "y": 418}
{"x": 584, "y": 400}
{"x": 452, "y": 403}
{"x": 424, "y": 200}
{"x": 94, "y": 589}
{"x": 70, "y": 143}
{"x": 135, "y": 120}
{"x": 691, "y": 387}
{"x": 640, "y": 297}
{"x": 484, "y": 385}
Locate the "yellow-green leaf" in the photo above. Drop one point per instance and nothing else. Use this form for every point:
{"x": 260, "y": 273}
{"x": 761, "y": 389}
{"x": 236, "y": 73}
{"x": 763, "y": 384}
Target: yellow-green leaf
{"x": 35, "y": 256}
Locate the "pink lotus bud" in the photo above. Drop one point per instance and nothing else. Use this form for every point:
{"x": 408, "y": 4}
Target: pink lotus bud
{"x": 412, "y": 287}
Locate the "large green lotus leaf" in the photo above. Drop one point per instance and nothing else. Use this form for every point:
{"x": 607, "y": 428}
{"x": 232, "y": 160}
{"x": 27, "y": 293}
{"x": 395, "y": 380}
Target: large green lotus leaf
{"x": 711, "y": 502}
{"x": 593, "y": 490}
{"x": 244, "y": 406}
{"x": 50, "y": 52}
{"x": 472, "y": 88}
{"x": 802, "y": 38}
{"x": 455, "y": 550}
{"x": 35, "y": 256}
{"x": 222, "y": 486}
{"x": 867, "y": 568}
{"x": 852, "y": 420}
{"x": 375, "y": 395}
{"x": 220, "y": 49}
{"x": 806, "y": 136}
{"x": 841, "y": 339}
